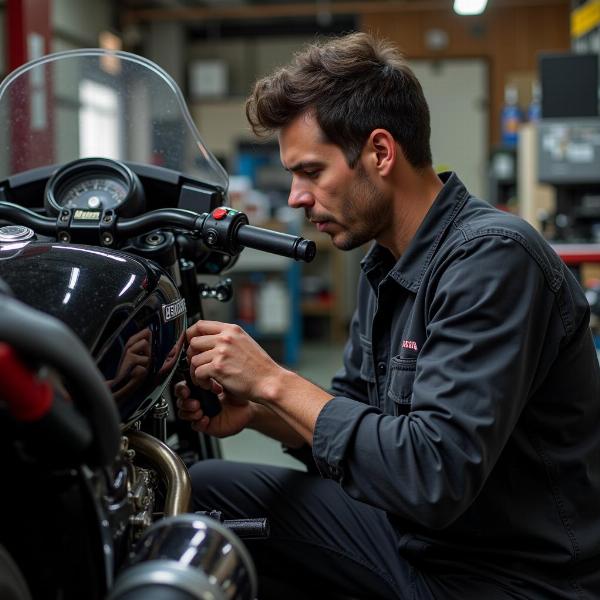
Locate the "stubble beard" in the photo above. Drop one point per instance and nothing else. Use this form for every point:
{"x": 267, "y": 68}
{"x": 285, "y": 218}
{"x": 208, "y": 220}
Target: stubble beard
{"x": 369, "y": 219}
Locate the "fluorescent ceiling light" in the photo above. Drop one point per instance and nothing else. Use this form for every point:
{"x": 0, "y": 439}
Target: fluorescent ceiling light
{"x": 469, "y": 7}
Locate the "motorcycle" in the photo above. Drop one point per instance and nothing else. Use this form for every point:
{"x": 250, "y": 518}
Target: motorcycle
{"x": 111, "y": 207}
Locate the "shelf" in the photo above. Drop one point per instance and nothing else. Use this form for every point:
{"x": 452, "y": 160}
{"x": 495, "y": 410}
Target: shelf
{"x": 575, "y": 254}
{"x": 251, "y": 274}
{"x": 329, "y": 265}
{"x": 316, "y": 308}
{"x": 252, "y": 260}
{"x": 321, "y": 240}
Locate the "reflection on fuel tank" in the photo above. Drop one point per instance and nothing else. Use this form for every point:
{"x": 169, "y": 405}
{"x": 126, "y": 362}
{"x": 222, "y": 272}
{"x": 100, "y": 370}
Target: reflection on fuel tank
{"x": 134, "y": 365}
{"x": 139, "y": 360}
{"x": 172, "y": 356}
{"x": 138, "y": 366}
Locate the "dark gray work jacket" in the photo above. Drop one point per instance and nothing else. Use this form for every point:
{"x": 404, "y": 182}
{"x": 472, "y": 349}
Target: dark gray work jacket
{"x": 468, "y": 406}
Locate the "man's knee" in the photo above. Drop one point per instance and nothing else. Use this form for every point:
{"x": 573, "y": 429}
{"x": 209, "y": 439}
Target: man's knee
{"x": 208, "y": 471}
{"x": 234, "y": 488}
{"x": 211, "y": 479}
{"x": 247, "y": 489}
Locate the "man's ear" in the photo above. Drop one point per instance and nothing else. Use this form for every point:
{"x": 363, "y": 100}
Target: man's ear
{"x": 384, "y": 150}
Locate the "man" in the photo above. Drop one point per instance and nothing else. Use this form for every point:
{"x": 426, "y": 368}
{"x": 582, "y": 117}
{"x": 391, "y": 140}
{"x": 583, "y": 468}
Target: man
{"x": 459, "y": 448}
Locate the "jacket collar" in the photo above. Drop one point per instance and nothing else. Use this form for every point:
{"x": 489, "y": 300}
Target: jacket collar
{"x": 408, "y": 271}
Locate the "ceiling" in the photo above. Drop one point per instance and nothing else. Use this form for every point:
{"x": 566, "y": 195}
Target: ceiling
{"x": 254, "y": 17}
{"x": 172, "y": 9}
{"x": 216, "y": 4}
{"x": 264, "y": 17}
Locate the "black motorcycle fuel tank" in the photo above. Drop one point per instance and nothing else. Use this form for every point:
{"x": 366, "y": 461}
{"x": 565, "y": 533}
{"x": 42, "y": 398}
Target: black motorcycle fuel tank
{"x": 126, "y": 310}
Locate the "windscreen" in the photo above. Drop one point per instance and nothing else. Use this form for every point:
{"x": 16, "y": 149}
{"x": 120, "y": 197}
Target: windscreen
{"x": 99, "y": 103}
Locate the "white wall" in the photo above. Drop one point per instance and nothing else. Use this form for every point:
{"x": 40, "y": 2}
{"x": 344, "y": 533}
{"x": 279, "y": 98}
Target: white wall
{"x": 457, "y": 93}
{"x": 247, "y": 58}
{"x": 222, "y": 123}
{"x": 77, "y": 23}
{"x": 164, "y": 44}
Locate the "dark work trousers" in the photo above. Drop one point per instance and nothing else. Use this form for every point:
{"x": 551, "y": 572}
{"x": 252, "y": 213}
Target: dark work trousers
{"x": 322, "y": 543}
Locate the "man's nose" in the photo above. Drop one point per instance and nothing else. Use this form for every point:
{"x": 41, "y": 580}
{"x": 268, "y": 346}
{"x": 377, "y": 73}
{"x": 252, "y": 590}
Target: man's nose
{"x": 300, "y": 196}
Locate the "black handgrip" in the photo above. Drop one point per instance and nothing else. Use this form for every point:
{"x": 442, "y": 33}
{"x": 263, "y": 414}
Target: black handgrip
{"x": 209, "y": 403}
{"x": 276, "y": 242}
{"x": 249, "y": 529}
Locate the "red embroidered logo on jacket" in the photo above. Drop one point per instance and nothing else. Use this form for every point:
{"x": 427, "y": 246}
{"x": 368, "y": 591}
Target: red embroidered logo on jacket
{"x": 410, "y": 344}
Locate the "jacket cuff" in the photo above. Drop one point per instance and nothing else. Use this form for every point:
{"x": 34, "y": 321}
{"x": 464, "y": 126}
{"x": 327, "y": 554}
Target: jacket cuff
{"x": 334, "y": 430}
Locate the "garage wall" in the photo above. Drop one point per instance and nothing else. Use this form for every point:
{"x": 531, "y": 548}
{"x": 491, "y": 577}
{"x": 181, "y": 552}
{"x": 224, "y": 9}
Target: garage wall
{"x": 456, "y": 90}
{"x": 247, "y": 58}
{"x": 510, "y": 37}
{"x": 3, "y": 38}
{"x": 75, "y": 24}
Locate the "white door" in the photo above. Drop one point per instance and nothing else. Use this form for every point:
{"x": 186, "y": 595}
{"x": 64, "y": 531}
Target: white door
{"x": 457, "y": 93}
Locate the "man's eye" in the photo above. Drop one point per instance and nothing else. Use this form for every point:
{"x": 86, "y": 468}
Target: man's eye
{"x": 312, "y": 174}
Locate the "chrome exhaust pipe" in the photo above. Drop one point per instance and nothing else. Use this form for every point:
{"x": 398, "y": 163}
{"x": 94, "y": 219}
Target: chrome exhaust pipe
{"x": 170, "y": 468}
{"x": 188, "y": 556}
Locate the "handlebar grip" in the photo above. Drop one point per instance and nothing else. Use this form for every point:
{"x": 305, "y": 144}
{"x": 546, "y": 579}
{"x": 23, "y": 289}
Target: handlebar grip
{"x": 276, "y": 242}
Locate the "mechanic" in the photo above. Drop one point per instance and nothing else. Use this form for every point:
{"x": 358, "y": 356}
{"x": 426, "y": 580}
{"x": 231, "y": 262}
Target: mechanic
{"x": 458, "y": 450}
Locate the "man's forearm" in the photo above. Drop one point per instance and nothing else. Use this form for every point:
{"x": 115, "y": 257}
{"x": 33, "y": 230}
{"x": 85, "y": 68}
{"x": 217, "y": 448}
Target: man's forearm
{"x": 296, "y": 401}
{"x": 272, "y": 425}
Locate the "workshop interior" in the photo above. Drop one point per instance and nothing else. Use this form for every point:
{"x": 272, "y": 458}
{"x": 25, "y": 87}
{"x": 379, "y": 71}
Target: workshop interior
{"x": 147, "y": 225}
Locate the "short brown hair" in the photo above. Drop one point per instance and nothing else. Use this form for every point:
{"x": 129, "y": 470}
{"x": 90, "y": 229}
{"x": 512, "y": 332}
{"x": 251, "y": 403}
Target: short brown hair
{"x": 354, "y": 84}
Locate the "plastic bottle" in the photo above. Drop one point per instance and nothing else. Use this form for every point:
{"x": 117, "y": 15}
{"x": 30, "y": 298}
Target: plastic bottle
{"x": 273, "y": 310}
{"x": 534, "y": 112}
{"x": 511, "y": 117}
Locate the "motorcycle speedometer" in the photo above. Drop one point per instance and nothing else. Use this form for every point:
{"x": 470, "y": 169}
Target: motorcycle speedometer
{"x": 95, "y": 184}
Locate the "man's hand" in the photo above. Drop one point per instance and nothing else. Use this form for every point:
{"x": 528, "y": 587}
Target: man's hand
{"x": 254, "y": 390}
{"x": 234, "y": 416}
{"x": 225, "y": 353}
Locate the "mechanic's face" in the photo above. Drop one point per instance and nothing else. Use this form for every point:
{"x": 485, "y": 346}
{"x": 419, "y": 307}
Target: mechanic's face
{"x": 343, "y": 202}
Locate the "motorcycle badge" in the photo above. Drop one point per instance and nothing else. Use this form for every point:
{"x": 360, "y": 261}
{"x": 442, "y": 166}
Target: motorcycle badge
{"x": 87, "y": 215}
{"x": 173, "y": 310}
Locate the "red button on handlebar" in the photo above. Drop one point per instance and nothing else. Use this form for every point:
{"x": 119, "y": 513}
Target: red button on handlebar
{"x": 219, "y": 213}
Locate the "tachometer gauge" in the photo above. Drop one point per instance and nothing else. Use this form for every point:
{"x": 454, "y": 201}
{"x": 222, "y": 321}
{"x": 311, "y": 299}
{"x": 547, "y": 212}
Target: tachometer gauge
{"x": 95, "y": 184}
{"x": 104, "y": 192}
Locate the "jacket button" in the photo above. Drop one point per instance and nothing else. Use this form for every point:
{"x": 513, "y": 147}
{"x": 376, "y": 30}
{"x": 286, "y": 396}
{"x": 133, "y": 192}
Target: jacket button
{"x": 382, "y": 368}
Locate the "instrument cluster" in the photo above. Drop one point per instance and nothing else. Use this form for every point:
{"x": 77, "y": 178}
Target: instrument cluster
{"x": 95, "y": 184}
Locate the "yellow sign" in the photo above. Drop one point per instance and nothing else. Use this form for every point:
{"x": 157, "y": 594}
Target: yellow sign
{"x": 585, "y": 18}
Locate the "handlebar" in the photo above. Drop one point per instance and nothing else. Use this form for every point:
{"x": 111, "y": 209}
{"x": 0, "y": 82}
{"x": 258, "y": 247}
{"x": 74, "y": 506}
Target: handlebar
{"x": 224, "y": 229}
{"x": 276, "y": 242}
{"x": 23, "y": 216}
